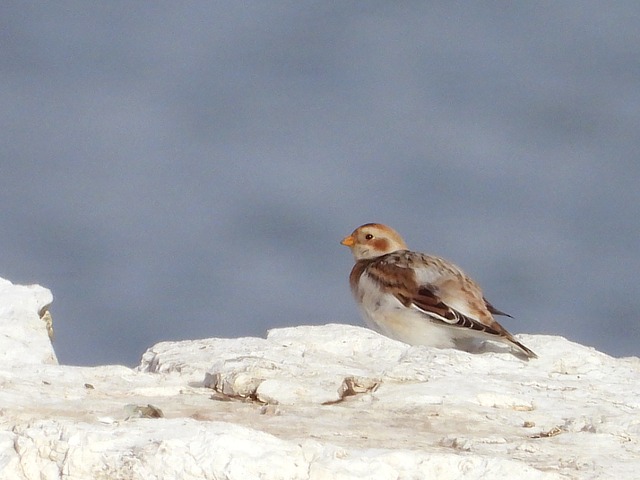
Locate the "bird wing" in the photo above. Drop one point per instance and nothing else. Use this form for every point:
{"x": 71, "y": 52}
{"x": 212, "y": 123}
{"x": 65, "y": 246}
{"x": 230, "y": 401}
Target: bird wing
{"x": 439, "y": 290}
{"x": 427, "y": 301}
{"x": 436, "y": 288}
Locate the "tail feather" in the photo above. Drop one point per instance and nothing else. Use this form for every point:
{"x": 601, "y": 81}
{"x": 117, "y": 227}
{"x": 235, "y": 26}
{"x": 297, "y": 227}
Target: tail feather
{"x": 526, "y": 351}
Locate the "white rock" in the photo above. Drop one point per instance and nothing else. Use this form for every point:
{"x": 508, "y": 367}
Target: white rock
{"x": 23, "y": 334}
{"x": 325, "y": 402}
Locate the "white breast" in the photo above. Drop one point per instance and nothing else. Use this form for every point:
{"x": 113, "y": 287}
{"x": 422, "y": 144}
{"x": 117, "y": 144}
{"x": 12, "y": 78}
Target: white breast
{"x": 385, "y": 314}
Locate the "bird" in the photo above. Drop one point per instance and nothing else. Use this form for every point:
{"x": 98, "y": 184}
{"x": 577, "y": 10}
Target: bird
{"x": 420, "y": 299}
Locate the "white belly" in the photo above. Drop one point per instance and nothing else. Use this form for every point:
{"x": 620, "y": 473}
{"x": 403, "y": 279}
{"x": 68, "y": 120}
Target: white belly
{"x": 388, "y": 316}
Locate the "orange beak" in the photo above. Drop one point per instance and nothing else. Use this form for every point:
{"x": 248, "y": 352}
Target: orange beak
{"x": 348, "y": 241}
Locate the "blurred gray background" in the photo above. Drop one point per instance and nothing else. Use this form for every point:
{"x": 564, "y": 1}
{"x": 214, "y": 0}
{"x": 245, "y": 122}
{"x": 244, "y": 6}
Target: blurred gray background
{"x": 175, "y": 171}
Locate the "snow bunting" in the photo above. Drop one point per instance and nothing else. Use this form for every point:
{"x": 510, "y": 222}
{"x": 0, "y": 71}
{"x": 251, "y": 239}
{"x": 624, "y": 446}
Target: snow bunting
{"x": 419, "y": 299}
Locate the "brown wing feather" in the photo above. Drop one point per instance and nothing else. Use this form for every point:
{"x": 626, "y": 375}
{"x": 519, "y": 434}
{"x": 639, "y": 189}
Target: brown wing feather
{"x": 429, "y": 302}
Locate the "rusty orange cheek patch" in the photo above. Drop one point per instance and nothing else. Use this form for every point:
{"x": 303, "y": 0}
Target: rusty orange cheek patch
{"x": 381, "y": 244}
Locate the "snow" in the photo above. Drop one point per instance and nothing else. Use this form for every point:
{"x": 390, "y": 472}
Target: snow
{"x": 322, "y": 402}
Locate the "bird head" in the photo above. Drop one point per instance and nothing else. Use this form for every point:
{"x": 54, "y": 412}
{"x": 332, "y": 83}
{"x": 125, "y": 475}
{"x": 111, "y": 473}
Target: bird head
{"x": 373, "y": 240}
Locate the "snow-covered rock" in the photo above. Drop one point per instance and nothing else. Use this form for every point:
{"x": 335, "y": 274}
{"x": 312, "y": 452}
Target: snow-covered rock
{"x": 324, "y": 402}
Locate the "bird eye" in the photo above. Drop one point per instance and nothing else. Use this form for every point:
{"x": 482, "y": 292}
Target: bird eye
{"x": 368, "y": 236}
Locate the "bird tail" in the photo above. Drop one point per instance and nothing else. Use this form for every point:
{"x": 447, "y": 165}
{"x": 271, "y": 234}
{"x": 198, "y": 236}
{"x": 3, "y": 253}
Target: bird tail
{"x": 522, "y": 349}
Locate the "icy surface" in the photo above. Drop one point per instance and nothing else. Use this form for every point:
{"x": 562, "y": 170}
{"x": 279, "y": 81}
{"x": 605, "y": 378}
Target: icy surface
{"x": 328, "y": 402}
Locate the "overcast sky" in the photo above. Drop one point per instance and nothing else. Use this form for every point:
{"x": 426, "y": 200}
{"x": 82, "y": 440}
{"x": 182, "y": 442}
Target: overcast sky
{"x": 182, "y": 170}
